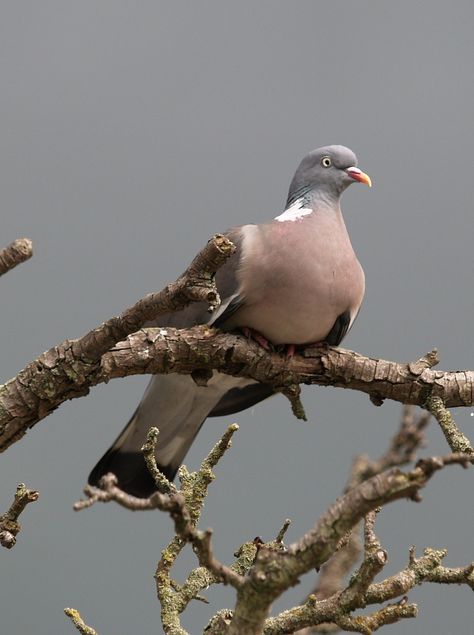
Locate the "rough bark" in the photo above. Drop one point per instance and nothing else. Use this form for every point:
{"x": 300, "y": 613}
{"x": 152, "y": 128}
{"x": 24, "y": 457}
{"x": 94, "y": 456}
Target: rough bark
{"x": 59, "y": 374}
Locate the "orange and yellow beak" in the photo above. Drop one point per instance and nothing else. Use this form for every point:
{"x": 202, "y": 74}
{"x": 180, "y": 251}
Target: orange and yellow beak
{"x": 359, "y": 176}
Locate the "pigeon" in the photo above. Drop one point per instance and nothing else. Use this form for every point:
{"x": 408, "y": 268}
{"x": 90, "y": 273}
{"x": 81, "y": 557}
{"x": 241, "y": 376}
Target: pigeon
{"x": 292, "y": 281}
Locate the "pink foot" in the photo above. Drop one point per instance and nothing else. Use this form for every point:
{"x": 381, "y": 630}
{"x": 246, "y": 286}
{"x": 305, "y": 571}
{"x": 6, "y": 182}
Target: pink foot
{"x": 258, "y": 337}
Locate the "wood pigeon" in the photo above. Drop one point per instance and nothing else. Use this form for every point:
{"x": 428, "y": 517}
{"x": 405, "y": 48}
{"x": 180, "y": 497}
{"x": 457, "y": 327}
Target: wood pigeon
{"x": 294, "y": 280}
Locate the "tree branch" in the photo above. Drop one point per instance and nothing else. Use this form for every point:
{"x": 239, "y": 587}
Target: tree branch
{"x": 263, "y": 571}
{"x": 14, "y": 254}
{"x": 401, "y": 451}
{"x": 184, "y": 507}
{"x": 59, "y": 375}
{"x": 118, "y": 348}
{"x": 65, "y": 371}
{"x": 79, "y": 623}
{"x": 265, "y": 583}
{"x": 334, "y": 612}
{"x": 457, "y": 441}
{"x": 9, "y": 525}
{"x": 195, "y": 285}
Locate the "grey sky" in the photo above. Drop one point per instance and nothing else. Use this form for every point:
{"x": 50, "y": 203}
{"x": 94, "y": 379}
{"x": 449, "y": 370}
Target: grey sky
{"x": 131, "y": 132}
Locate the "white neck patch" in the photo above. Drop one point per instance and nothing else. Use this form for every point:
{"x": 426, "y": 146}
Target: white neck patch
{"x": 294, "y": 212}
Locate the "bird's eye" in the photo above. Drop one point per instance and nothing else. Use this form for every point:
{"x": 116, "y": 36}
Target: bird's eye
{"x": 326, "y": 162}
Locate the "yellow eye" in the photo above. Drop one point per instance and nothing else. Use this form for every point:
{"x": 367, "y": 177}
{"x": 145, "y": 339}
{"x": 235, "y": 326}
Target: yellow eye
{"x": 326, "y": 162}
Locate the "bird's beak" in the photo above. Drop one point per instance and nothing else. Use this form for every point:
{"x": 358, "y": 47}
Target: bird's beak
{"x": 360, "y": 176}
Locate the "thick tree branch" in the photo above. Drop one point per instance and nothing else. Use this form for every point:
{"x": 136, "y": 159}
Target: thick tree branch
{"x": 64, "y": 371}
{"x": 59, "y": 375}
{"x": 118, "y": 348}
{"x": 195, "y": 285}
{"x": 14, "y": 254}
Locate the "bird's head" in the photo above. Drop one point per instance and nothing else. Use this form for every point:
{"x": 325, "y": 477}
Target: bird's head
{"x": 325, "y": 173}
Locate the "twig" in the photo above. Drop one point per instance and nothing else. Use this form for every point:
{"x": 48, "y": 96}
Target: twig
{"x": 161, "y": 482}
{"x": 9, "y": 525}
{"x": 194, "y": 488}
{"x": 79, "y": 623}
{"x": 375, "y": 558}
{"x": 15, "y": 253}
{"x": 203, "y": 548}
{"x": 371, "y": 542}
{"x": 283, "y": 530}
{"x": 426, "y": 568}
{"x": 457, "y": 441}
{"x": 293, "y": 394}
{"x": 368, "y": 624}
{"x": 108, "y": 491}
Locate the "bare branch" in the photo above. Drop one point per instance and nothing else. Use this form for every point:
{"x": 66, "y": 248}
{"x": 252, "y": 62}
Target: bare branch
{"x": 336, "y": 611}
{"x": 65, "y": 371}
{"x": 447, "y": 575}
{"x": 203, "y": 548}
{"x": 184, "y": 507}
{"x": 368, "y": 624}
{"x": 457, "y": 441}
{"x": 161, "y": 482}
{"x": 264, "y": 584}
{"x": 283, "y": 530}
{"x": 117, "y": 349}
{"x": 79, "y": 623}
{"x": 401, "y": 451}
{"x": 317, "y": 545}
{"x": 426, "y": 568}
{"x": 9, "y": 525}
{"x": 171, "y": 350}
{"x": 264, "y": 570}
{"x": 59, "y": 375}
{"x": 15, "y": 253}
{"x": 109, "y": 491}
{"x": 195, "y": 285}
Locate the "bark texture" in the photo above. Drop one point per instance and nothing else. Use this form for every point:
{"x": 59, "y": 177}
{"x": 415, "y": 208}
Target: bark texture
{"x": 61, "y": 373}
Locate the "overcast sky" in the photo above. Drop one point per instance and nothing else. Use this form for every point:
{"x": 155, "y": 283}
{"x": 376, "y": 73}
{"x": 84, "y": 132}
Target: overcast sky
{"x": 130, "y": 133}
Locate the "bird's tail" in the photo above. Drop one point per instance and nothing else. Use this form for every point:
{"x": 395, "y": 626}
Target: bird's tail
{"x": 178, "y": 408}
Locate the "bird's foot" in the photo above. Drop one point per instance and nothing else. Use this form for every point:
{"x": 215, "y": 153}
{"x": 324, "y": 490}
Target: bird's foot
{"x": 287, "y": 349}
{"x": 252, "y": 334}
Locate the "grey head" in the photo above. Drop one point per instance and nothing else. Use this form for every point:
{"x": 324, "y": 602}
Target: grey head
{"x": 324, "y": 174}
